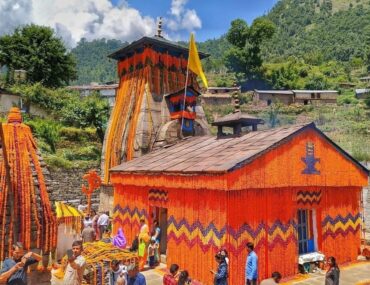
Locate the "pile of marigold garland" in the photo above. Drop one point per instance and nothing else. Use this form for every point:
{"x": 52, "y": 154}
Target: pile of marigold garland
{"x": 98, "y": 257}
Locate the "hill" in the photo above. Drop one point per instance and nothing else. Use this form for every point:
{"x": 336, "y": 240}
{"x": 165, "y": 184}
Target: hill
{"x": 331, "y": 29}
{"x": 93, "y": 65}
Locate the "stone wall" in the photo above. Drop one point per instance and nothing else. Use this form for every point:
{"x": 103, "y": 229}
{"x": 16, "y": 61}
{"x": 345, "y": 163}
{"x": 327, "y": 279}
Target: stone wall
{"x": 106, "y": 198}
{"x": 65, "y": 185}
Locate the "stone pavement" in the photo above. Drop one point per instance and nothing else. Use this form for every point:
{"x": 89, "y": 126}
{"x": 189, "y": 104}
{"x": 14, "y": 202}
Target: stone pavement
{"x": 350, "y": 275}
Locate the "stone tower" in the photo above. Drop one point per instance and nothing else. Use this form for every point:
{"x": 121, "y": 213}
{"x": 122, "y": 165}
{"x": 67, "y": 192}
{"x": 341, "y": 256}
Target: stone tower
{"x": 152, "y": 74}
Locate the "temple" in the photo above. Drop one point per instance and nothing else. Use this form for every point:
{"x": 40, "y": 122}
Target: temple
{"x": 291, "y": 191}
{"x": 151, "y": 108}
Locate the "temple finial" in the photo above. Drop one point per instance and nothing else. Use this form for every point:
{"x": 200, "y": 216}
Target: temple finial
{"x": 159, "y": 30}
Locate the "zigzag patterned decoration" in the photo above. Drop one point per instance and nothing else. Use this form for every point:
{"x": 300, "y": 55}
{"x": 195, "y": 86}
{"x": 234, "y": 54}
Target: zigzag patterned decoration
{"x": 211, "y": 236}
{"x": 128, "y": 216}
{"x": 156, "y": 195}
{"x": 309, "y": 197}
{"x": 283, "y": 234}
{"x": 341, "y": 225}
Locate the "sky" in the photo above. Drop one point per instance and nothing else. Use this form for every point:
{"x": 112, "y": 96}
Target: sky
{"x": 129, "y": 20}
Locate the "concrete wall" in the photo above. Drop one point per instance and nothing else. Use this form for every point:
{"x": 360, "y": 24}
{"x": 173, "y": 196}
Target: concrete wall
{"x": 216, "y": 99}
{"x": 285, "y": 99}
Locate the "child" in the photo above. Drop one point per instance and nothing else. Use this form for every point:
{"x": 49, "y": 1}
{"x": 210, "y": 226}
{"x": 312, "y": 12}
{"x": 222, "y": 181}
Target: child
{"x": 151, "y": 253}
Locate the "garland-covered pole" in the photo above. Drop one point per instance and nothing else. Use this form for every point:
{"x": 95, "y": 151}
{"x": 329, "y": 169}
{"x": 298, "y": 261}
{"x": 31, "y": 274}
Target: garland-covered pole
{"x": 94, "y": 181}
{"x": 9, "y": 185}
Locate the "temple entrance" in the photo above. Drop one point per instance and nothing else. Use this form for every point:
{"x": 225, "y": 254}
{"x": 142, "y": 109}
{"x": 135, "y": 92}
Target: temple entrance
{"x": 160, "y": 214}
{"x": 307, "y": 231}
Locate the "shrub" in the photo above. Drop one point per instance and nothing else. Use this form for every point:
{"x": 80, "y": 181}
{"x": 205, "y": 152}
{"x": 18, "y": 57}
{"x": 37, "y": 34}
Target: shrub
{"x": 78, "y": 134}
{"x": 83, "y": 153}
{"x": 46, "y": 130}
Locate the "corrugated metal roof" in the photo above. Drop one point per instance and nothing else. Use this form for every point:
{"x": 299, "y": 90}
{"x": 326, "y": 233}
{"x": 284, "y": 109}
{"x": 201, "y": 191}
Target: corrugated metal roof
{"x": 209, "y": 154}
{"x": 282, "y": 92}
{"x": 315, "y": 91}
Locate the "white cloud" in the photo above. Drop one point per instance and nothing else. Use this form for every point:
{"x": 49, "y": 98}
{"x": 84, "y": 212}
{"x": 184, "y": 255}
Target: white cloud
{"x": 92, "y": 19}
{"x": 181, "y": 18}
{"x": 13, "y": 13}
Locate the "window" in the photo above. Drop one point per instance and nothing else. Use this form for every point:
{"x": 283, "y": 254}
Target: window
{"x": 305, "y": 232}
{"x": 269, "y": 102}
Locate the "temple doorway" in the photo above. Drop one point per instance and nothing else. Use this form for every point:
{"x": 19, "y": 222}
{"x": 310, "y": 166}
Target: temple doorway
{"x": 160, "y": 214}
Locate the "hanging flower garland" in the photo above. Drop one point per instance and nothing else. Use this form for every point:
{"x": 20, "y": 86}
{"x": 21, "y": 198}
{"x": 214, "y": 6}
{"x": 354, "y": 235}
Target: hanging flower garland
{"x": 36, "y": 222}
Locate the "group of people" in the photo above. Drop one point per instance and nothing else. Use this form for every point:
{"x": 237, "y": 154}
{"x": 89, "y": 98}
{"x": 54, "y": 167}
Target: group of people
{"x": 14, "y": 270}
{"x": 220, "y": 276}
{"x": 148, "y": 241}
{"x": 95, "y": 226}
{"x": 251, "y": 270}
{"x": 176, "y": 277}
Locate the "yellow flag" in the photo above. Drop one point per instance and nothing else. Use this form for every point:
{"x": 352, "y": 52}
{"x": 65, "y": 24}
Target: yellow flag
{"x": 194, "y": 61}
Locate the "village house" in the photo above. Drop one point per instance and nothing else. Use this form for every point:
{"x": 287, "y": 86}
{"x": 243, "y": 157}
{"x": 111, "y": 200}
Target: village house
{"x": 291, "y": 191}
{"x": 106, "y": 91}
{"x": 287, "y": 97}
{"x": 365, "y": 79}
{"x": 9, "y": 100}
{"x": 219, "y": 95}
{"x": 268, "y": 97}
{"x": 362, "y": 93}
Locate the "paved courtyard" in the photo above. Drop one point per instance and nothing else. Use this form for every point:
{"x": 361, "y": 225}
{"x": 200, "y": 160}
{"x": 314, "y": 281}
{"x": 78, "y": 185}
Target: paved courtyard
{"x": 350, "y": 275}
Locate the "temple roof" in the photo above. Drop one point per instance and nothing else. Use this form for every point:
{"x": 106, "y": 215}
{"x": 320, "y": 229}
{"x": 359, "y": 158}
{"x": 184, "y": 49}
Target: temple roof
{"x": 211, "y": 155}
{"x": 156, "y": 41}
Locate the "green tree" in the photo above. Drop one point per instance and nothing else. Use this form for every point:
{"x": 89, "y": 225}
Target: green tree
{"x": 317, "y": 81}
{"x": 88, "y": 111}
{"x": 38, "y": 51}
{"x": 244, "y": 57}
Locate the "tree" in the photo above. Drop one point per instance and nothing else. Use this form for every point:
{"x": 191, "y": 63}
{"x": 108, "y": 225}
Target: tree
{"x": 88, "y": 111}
{"x": 244, "y": 57}
{"x": 317, "y": 81}
{"x": 38, "y": 51}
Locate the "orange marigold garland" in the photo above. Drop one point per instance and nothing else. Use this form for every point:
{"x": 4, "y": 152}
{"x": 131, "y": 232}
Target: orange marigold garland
{"x": 37, "y": 226}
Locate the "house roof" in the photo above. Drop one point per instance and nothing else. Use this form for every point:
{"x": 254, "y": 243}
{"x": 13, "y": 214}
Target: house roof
{"x": 282, "y": 92}
{"x": 315, "y": 91}
{"x": 225, "y": 88}
{"x": 93, "y": 87}
{"x": 362, "y": 91}
{"x": 237, "y": 117}
{"x": 156, "y": 41}
{"x": 211, "y": 155}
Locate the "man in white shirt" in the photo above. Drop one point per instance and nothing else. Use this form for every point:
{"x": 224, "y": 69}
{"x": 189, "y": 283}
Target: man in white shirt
{"x": 76, "y": 266}
{"x": 103, "y": 222}
{"x": 81, "y": 207}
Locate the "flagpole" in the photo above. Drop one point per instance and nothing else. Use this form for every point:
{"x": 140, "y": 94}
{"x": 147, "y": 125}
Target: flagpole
{"x": 186, "y": 89}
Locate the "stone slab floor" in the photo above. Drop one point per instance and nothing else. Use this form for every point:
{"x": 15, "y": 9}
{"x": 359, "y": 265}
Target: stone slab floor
{"x": 349, "y": 276}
